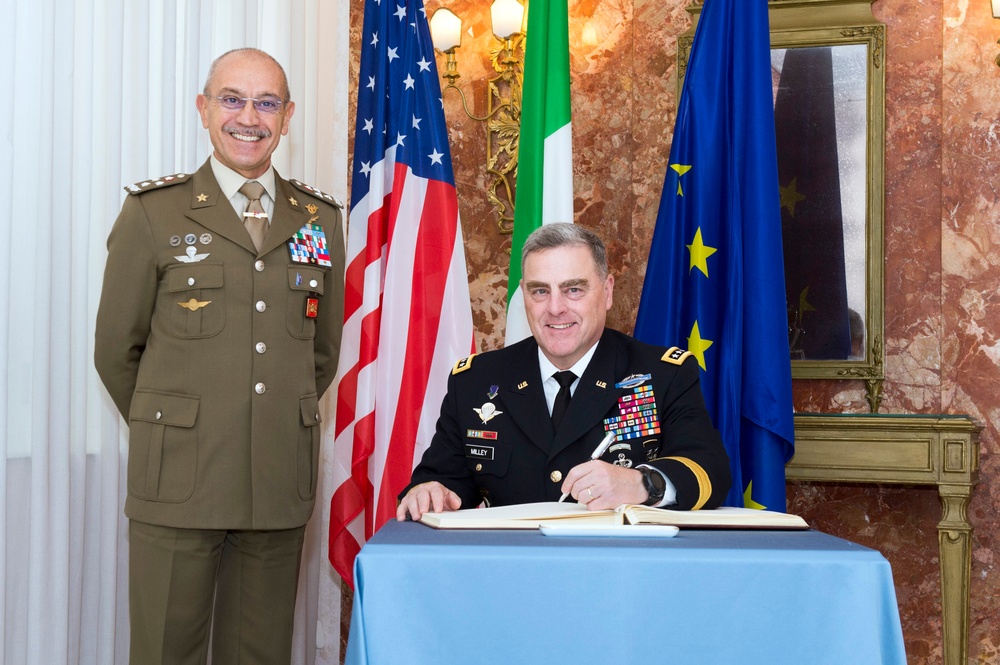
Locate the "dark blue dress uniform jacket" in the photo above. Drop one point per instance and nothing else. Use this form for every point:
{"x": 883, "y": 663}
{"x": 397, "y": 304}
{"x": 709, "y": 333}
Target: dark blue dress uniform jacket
{"x": 516, "y": 457}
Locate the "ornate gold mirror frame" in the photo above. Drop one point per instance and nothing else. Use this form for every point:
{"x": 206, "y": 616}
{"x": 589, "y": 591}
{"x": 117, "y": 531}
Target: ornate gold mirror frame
{"x": 828, "y": 71}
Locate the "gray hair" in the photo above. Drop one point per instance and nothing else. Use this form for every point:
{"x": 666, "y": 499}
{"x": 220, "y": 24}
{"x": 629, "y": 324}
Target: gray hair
{"x": 550, "y": 236}
{"x": 286, "y": 95}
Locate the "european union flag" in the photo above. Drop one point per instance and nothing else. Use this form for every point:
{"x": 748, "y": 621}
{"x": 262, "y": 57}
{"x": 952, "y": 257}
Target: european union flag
{"x": 715, "y": 276}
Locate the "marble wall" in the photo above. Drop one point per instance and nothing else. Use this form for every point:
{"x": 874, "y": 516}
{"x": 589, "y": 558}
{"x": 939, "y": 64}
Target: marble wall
{"x": 942, "y": 246}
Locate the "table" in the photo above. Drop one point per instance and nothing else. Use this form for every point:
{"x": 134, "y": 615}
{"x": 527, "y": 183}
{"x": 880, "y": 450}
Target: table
{"x": 519, "y": 597}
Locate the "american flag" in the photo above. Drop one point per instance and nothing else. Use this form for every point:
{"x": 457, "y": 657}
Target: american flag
{"x": 407, "y": 313}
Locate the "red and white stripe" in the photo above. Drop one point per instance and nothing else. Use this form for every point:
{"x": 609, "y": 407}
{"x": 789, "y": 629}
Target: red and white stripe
{"x": 407, "y": 319}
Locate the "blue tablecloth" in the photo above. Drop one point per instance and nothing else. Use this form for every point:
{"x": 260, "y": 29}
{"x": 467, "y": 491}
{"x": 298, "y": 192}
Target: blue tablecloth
{"x": 704, "y": 597}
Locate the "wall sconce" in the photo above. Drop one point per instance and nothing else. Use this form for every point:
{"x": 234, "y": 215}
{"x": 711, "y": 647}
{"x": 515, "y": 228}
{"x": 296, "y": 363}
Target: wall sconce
{"x": 503, "y": 99}
{"x": 996, "y": 14}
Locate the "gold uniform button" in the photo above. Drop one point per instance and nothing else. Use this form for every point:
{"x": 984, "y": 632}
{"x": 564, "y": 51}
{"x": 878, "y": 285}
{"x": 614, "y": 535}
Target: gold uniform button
{"x": 556, "y": 476}
{"x": 479, "y": 467}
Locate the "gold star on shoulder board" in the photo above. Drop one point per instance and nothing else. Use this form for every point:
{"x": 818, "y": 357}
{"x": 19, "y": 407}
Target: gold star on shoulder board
{"x": 312, "y": 209}
{"x": 202, "y": 197}
{"x": 291, "y": 199}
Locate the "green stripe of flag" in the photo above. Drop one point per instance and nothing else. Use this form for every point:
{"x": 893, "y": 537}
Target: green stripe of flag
{"x": 545, "y": 153}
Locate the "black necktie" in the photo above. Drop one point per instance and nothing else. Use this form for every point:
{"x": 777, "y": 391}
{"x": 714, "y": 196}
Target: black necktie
{"x": 565, "y": 380}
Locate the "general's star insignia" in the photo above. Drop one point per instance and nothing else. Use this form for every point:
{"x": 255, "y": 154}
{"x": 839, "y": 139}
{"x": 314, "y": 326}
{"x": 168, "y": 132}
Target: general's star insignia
{"x": 202, "y": 198}
{"x": 291, "y": 199}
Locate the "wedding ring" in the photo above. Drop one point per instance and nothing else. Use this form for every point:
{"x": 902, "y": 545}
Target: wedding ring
{"x": 591, "y": 494}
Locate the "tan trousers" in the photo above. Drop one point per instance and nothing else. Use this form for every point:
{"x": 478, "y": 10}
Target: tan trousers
{"x": 177, "y": 575}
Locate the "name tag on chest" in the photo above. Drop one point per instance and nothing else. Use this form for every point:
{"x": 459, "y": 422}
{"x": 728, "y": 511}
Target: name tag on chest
{"x": 479, "y": 452}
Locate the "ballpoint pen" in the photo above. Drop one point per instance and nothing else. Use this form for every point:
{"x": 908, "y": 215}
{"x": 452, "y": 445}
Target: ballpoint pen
{"x": 601, "y": 448}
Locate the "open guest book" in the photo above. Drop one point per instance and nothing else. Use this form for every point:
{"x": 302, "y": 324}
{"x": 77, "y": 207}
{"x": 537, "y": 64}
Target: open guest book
{"x": 551, "y": 513}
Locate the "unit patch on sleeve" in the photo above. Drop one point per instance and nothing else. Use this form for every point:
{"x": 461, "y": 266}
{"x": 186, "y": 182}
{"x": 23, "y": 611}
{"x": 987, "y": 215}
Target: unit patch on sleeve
{"x": 308, "y": 245}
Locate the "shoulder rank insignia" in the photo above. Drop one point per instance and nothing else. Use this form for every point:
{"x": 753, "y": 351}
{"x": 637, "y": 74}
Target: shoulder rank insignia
{"x": 463, "y": 364}
{"x": 309, "y": 189}
{"x": 157, "y": 183}
{"x": 675, "y": 356}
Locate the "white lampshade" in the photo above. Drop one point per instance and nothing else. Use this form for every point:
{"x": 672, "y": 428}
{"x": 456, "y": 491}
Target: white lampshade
{"x": 446, "y": 30}
{"x": 508, "y": 15}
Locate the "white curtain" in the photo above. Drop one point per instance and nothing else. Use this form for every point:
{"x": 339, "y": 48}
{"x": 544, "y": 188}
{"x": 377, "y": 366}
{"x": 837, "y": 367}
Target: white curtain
{"x": 100, "y": 94}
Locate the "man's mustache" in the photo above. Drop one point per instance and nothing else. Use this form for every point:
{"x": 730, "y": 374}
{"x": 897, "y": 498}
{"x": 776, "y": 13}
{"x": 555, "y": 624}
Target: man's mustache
{"x": 247, "y": 131}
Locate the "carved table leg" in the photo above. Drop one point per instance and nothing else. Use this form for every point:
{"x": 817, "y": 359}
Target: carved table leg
{"x": 955, "y": 543}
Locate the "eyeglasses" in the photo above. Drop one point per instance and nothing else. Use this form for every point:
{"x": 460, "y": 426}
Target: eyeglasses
{"x": 263, "y": 105}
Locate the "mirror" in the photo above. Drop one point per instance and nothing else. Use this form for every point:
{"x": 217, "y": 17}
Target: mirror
{"x": 829, "y": 92}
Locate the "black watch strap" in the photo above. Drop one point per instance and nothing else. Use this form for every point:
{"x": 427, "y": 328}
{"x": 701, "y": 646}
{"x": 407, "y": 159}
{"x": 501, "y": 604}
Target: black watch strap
{"x": 654, "y": 484}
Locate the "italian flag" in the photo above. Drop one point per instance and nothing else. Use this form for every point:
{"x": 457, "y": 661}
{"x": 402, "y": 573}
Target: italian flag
{"x": 545, "y": 154}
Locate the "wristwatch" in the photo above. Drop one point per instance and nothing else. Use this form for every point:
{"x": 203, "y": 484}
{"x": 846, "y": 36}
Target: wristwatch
{"x": 654, "y": 484}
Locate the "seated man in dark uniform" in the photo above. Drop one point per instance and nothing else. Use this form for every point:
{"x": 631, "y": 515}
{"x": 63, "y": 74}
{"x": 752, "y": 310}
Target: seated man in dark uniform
{"x": 520, "y": 424}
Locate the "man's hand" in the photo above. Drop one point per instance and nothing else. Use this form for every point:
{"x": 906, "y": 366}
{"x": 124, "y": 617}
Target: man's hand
{"x": 431, "y": 497}
{"x": 599, "y": 485}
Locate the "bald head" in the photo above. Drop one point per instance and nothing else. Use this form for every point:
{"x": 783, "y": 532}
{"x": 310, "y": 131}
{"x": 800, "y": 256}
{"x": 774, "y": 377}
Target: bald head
{"x": 251, "y": 53}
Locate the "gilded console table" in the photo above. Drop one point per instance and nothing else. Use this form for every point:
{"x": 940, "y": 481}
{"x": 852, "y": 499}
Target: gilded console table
{"x": 906, "y": 450}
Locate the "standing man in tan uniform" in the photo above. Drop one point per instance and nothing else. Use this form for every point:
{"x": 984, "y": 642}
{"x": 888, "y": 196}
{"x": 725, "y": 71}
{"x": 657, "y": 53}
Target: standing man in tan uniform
{"x": 218, "y": 331}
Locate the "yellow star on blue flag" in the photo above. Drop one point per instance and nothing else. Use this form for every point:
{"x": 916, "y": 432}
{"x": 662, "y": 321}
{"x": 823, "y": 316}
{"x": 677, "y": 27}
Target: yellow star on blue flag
{"x": 748, "y": 501}
{"x": 681, "y": 169}
{"x": 700, "y": 253}
{"x": 697, "y": 345}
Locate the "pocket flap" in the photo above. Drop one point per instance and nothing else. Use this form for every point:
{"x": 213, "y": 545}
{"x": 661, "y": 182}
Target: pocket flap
{"x": 306, "y": 278}
{"x": 163, "y": 408}
{"x": 187, "y": 276}
{"x": 309, "y": 406}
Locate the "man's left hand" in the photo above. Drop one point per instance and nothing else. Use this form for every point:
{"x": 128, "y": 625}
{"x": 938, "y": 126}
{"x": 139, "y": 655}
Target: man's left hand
{"x": 599, "y": 485}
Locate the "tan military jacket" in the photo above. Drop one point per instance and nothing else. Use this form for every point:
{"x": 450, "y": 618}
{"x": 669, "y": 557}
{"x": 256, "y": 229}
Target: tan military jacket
{"x": 217, "y": 356}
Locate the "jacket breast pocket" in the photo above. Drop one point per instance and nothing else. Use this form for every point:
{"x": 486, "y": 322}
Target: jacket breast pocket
{"x": 198, "y": 307}
{"x": 163, "y": 446}
{"x": 305, "y": 285}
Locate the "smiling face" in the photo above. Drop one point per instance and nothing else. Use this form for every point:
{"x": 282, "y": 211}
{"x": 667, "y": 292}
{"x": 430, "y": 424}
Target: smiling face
{"x": 244, "y": 139}
{"x": 566, "y": 301}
